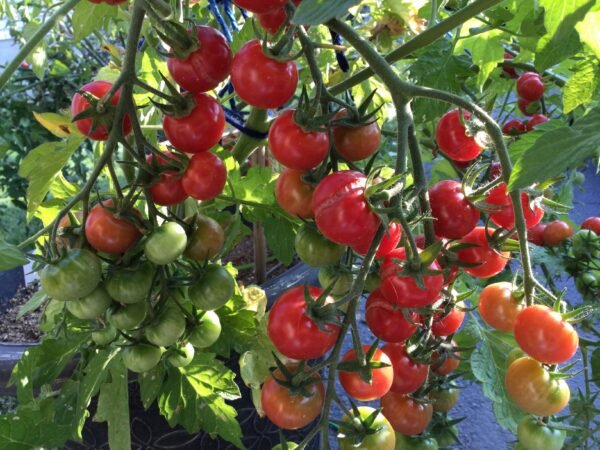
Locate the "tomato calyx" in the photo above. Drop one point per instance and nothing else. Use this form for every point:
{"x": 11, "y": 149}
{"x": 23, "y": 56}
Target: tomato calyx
{"x": 417, "y": 266}
{"x": 357, "y": 428}
{"x": 359, "y": 116}
{"x": 101, "y": 111}
{"x": 320, "y": 311}
{"x": 179, "y": 105}
{"x": 307, "y": 114}
{"x": 296, "y": 378}
{"x": 363, "y": 366}
{"x": 182, "y": 41}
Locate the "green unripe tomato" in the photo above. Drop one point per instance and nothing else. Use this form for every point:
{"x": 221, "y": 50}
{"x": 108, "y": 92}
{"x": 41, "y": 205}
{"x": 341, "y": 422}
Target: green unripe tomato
{"x": 207, "y": 331}
{"x": 92, "y": 305}
{"x": 586, "y": 244}
{"x": 315, "y": 249}
{"x": 141, "y": 357}
{"x": 72, "y": 277}
{"x": 513, "y": 355}
{"x": 372, "y": 282}
{"x": 588, "y": 284}
{"x": 166, "y": 243}
{"x": 130, "y": 285}
{"x": 181, "y": 355}
{"x": 214, "y": 288}
{"x": 578, "y": 178}
{"x": 382, "y": 436}
{"x": 339, "y": 277}
{"x": 533, "y": 434}
{"x": 127, "y": 317}
{"x": 290, "y": 446}
{"x": 445, "y": 436}
{"x": 415, "y": 443}
{"x": 104, "y": 336}
{"x": 167, "y": 328}
{"x": 444, "y": 400}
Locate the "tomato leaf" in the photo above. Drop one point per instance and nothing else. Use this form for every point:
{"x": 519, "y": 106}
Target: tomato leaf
{"x": 581, "y": 86}
{"x": 58, "y": 124}
{"x": 314, "y": 12}
{"x": 10, "y": 256}
{"x": 595, "y": 363}
{"x": 280, "y": 238}
{"x": 36, "y": 300}
{"x": 150, "y": 384}
{"x": 88, "y": 17}
{"x": 486, "y": 52}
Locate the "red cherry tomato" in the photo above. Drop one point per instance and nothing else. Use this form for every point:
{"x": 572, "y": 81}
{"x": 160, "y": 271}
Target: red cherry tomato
{"x": 408, "y": 374}
{"x": 451, "y": 136}
{"x": 445, "y": 325}
{"x": 200, "y": 130}
{"x": 403, "y": 290}
{"x": 535, "y": 234}
{"x": 355, "y": 143}
{"x": 205, "y": 176}
{"x": 445, "y": 365}
{"x": 454, "y": 215}
{"x": 296, "y": 335}
{"x": 499, "y": 198}
{"x": 273, "y": 19}
{"x": 495, "y": 170}
{"x": 108, "y": 232}
{"x": 168, "y": 190}
{"x": 591, "y": 223}
{"x": 528, "y": 108}
{"x": 406, "y": 415}
{"x": 535, "y": 120}
{"x": 386, "y": 320}
{"x": 294, "y": 195}
{"x": 497, "y": 306}
{"x": 260, "y": 6}
{"x": 530, "y": 86}
{"x": 341, "y": 210}
{"x": 295, "y": 148}
{"x": 556, "y": 232}
{"x": 513, "y": 127}
{"x": 261, "y": 81}
{"x": 544, "y": 335}
{"x": 390, "y": 240}
{"x": 381, "y": 379}
{"x": 489, "y": 262}
{"x": 510, "y": 71}
{"x": 96, "y": 130}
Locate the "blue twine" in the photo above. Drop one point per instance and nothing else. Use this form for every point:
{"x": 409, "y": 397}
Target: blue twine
{"x": 141, "y": 43}
{"x": 228, "y": 89}
{"x": 230, "y": 15}
{"x": 340, "y": 55}
{"x": 232, "y": 118}
{"x": 214, "y": 9}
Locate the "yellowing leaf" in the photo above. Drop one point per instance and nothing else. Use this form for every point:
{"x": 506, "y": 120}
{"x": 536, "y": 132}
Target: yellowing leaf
{"x": 57, "y": 124}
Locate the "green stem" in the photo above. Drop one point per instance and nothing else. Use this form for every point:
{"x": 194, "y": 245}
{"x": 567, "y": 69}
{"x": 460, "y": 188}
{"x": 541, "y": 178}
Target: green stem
{"x": 32, "y": 43}
{"x": 258, "y": 120}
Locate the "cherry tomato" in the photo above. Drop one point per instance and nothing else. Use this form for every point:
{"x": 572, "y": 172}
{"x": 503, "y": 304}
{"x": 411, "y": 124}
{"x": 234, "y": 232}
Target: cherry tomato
{"x": 295, "y": 334}
{"x": 339, "y": 277}
{"x": 556, "y": 232}
{"x": 489, "y": 262}
{"x": 314, "y": 249}
{"x": 505, "y": 218}
{"x": 294, "y": 195}
{"x": 381, "y": 436}
{"x": 452, "y": 138}
{"x": 166, "y": 328}
{"x": 444, "y": 365}
{"x": 200, "y": 130}
{"x": 355, "y": 143}
{"x": 131, "y": 284}
{"x": 513, "y": 127}
{"x": 535, "y": 120}
{"x": 535, "y": 234}
{"x": 530, "y": 86}
{"x": 141, "y": 357}
{"x": 407, "y": 416}
{"x": 390, "y": 241}
{"x": 455, "y": 215}
{"x": 168, "y": 190}
{"x": 497, "y": 306}
{"x": 409, "y": 375}
{"x": 289, "y": 410}
{"x": 212, "y": 289}
{"x": 207, "y": 331}
{"x": 445, "y": 325}
{"x": 128, "y": 317}
{"x": 260, "y": 6}
{"x": 105, "y": 335}
{"x": 444, "y": 399}
{"x": 110, "y": 232}
{"x": 510, "y": 71}
{"x": 534, "y": 434}
{"x": 544, "y": 335}
{"x": 274, "y": 19}
{"x": 97, "y": 130}
{"x": 495, "y": 170}
{"x": 415, "y": 443}
{"x": 181, "y": 355}
{"x": 591, "y": 223}
{"x": 166, "y": 243}
{"x": 403, "y": 290}
{"x": 91, "y": 306}
{"x": 206, "y": 240}
{"x": 65, "y": 237}
{"x": 386, "y": 320}
{"x": 203, "y": 69}
{"x": 205, "y": 176}
{"x": 294, "y": 147}
{"x": 73, "y": 276}
{"x": 532, "y": 389}
{"x": 261, "y": 81}
{"x": 341, "y": 210}
{"x": 381, "y": 378}
{"x": 528, "y": 108}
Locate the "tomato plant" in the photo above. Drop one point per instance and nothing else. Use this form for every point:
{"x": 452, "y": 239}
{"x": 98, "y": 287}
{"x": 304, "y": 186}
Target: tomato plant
{"x": 407, "y": 416}
{"x": 74, "y": 276}
{"x": 294, "y": 194}
{"x": 130, "y": 285}
{"x": 387, "y": 321}
{"x": 534, "y": 433}
{"x": 356, "y": 142}
{"x": 453, "y": 139}
{"x": 168, "y": 190}
{"x": 556, "y": 232}
{"x": 504, "y": 216}
{"x": 498, "y": 307}
{"x": 409, "y": 375}
{"x": 110, "y": 231}
{"x": 205, "y": 176}
{"x": 484, "y": 261}
{"x": 380, "y": 378}
{"x": 166, "y": 243}
{"x": 454, "y": 215}
{"x": 381, "y": 435}
{"x": 314, "y": 249}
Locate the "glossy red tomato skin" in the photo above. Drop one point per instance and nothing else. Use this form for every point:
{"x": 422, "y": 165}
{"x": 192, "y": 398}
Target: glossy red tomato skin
{"x": 262, "y": 81}
{"x": 445, "y": 367}
{"x": 108, "y": 233}
{"x": 535, "y": 234}
{"x": 510, "y": 71}
{"x": 497, "y": 306}
{"x": 273, "y": 19}
{"x": 403, "y": 290}
{"x": 98, "y": 89}
{"x": 381, "y": 378}
{"x": 355, "y": 143}
{"x": 390, "y": 241}
{"x": 513, "y": 127}
{"x": 295, "y": 148}
{"x": 591, "y": 223}
{"x": 200, "y": 130}
{"x": 260, "y": 6}
{"x": 406, "y": 415}
{"x": 295, "y": 334}
{"x": 448, "y": 324}
{"x": 341, "y": 210}
{"x": 205, "y": 176}
{"x": 544, "y": 335}
{"x": 530, "y": 86}
{"x": 409, "y": 375}
{"x": 452, "y": 138}
{"x": 556, "y": 232}
{"x": 454, "y": 215}
{"x": 294, "y": 195}
{"x": 289, "y": 411}
{"x": 505, "y": 218}
{"x": 535, "y": 120}
{"x": 528, "y": 108}
{"x": 206, "y": 67}
{"x": 490, "y": 262}
{"x": 168, "y": 190}
{"x": 386, "y": 321}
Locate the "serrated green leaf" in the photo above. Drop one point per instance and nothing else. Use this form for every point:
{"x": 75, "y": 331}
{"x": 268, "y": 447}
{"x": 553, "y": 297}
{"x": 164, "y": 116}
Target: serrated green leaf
{"x": 588, "y": 31}
{"x": 314, "y": 12}
{"x": 89, "y": 17}
{"x": 486, "y": 52}
{"x": 150, "y": 384}
{"x": 244, "y": 35}
{"x": 240, "y": 328}
{"x": 10, "y": 256}
{"x": 581, "y": 86}
{"x": 36, "y": 300}
{"x": 280, "y": 238}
